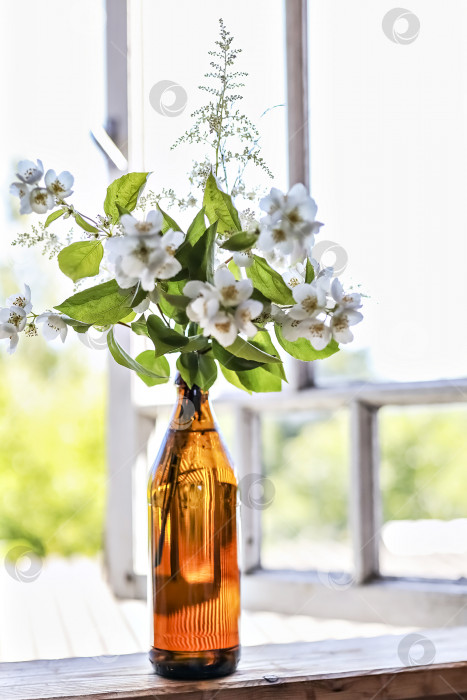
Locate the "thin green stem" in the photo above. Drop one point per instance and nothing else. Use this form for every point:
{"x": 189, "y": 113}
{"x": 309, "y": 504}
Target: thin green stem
{"x": 163, "y": 317}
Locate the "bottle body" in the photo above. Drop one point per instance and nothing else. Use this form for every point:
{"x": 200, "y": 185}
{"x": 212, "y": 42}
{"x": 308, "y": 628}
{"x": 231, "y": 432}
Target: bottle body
{"x": 194, "y": 576}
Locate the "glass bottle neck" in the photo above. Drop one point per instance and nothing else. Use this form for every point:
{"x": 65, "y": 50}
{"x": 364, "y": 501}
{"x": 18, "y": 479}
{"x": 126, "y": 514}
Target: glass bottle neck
{"x": 192, "y": 410}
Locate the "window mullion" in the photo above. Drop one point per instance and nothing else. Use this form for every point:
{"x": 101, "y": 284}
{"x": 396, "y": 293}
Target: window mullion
{"x": 249, "y": 471}
{"x": 365, "y": 497}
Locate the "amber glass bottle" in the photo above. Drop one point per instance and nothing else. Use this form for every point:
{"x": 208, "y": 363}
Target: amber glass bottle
{"x": 192, "y": 496}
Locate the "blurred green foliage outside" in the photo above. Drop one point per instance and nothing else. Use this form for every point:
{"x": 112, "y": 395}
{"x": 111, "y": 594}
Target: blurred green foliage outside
{"x": 52, "y": 454}
{"x": 423, "y": 464}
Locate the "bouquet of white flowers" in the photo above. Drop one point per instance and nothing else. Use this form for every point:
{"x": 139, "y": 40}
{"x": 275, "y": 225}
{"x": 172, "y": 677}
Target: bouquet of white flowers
{"x": 212, "y": 294}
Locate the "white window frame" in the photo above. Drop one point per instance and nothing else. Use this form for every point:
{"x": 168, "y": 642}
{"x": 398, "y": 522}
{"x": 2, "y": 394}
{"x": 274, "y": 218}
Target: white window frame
{"x": 371, "y": 597}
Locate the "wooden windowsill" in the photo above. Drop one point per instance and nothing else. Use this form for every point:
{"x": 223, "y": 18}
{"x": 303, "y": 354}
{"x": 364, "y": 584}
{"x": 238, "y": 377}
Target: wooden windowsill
{"x": 346, "y": 669}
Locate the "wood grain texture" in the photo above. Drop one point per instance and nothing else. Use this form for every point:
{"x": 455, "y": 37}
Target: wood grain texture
{"x": 352, "y": 669}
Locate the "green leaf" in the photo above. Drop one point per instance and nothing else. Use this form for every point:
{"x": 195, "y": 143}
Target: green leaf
{"x": 262, "y": 340}
{"x": 226, "y": 358}
{"x": 168, "y": 222}
{"x": 235, "y": 270}
{"x": 187, "y": 365}
{"x": 77, "y": 325}
{"x": 219, "y": 207}
{"x": 128, "y": 319}
{"x": 233, "y": 378}
{"x": 240, "y": 241}
{"x": 196, "y": 228}
{"x": 269, "y": 282}
{"x": 207, "y": 371}
{"x": 84, "y": 224}
{"x": 178, "y": 300}
{"x": 156, "y": 365}
{"x": 165, "y": 339}
{"x": 174, "y": 310}
{"x": 260, "y": 380}
{"x": 201, "y": 260}
{"x": 194, "y": 233}
{"x": 196, "y": 342}
{"x": 196, "y": 369}
{"x": 53, "y": 217}
{"x": 302, "y": 349}
{"x": 122, "y": 357}
{"x": 140, "y": 327}
{"x": 81, "y": 259}
{"x": 242, "y": 348}
{"x": 122, "y": 210}
{"x": 124, "y": 191}
{"x": 106, "y": 303}
{"x": 310, "y": 272}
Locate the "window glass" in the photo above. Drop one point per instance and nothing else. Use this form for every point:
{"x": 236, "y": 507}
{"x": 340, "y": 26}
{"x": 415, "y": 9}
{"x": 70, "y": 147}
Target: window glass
{"x": 305, "y": 493}
{"x": 423, "y": 454}
{"x": 388, "y": 125}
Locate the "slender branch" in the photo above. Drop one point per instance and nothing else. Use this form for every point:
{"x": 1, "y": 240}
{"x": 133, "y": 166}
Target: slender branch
{"x": 162, "y": 314}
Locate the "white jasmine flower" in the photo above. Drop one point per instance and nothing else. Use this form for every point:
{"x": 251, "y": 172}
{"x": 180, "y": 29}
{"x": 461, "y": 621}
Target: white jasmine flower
{"x": 30, "y": 172}
{"x": 59, "y": 185}
{"x": 149, "y": 227}
{"x": 231, "y": 291}
{"x": 245, "y": 313}
{"x": 143, "y": 265}
{"x": 21, "y": 301}
{"x": 273, "y": 203}
{"x": 205, "y": 304}
{"x": 12, "y": 322}
{"x": 295, "y": 275}
{"x": 311, "y": 300}
{"x": 275, "y": 236}
{"x": 291, "y": 327}
{"x": 243, "y": 258}
{"x": 21, "y": 190}
{"x": 341, "y": 322}
{"x": 222, "y": 327}
{"x": 345, "y": 301}
{"x": 290, "y": 223}
{"x": 136, "y": 259}
{"x": 296, "y": 208}
{"x": 316, "y": 331}
{"x": 165, "y": 269}
{"x": 9, "y": 330}
{"x": 223, "y": 309}
{"x": 53, "y": 325}
{"x": 41, "y": 200}
{"x": 170, "y": 242}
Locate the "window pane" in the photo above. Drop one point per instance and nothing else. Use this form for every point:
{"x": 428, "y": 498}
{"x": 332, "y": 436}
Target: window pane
{"x": 389, "y": 173}
{"x": 306, "y": 465}
{"x": 424, "y": 503}
{"x": 52, "y": 396}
